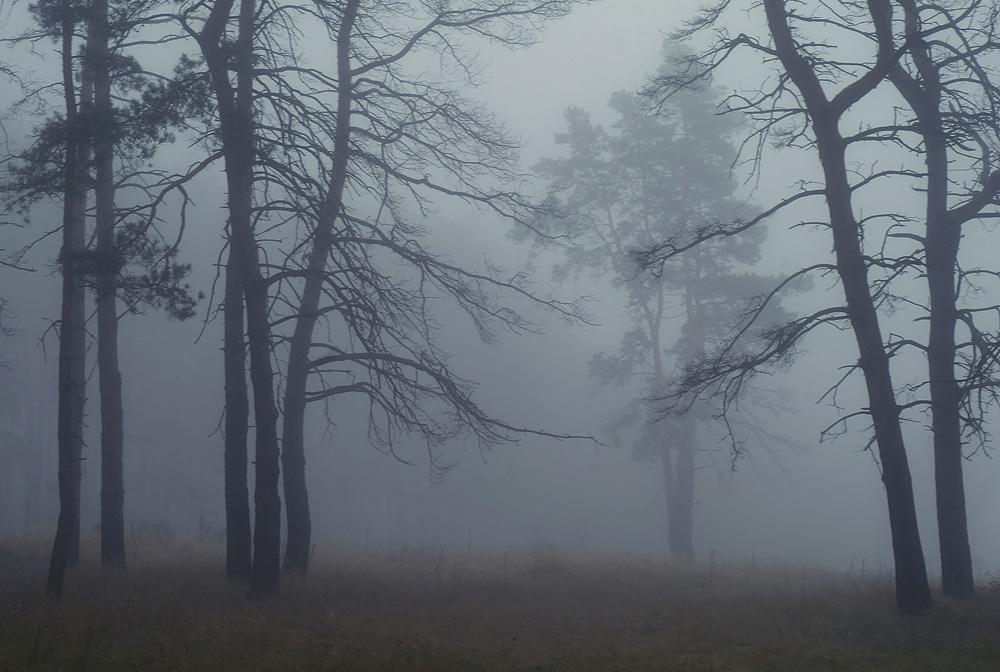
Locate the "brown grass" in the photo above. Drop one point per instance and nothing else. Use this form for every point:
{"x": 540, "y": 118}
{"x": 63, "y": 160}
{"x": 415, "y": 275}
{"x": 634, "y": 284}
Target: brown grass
{"x": 442, "y": 609}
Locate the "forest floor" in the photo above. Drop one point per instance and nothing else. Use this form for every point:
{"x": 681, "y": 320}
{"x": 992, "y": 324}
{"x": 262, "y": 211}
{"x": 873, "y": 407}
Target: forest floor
{"x": 447, "y": 609}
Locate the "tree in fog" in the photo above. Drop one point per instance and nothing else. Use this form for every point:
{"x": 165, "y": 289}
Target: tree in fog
{"x": 60, "y": 21}
{"x": 801, "y": 88}
{"x": 649, "y": 178}
{"x": 952, "y": 99}
{"x": 246, "y": 287}
{"x": 295, "y": 139}
{"x": 74, "y": 152}
{"x": 404, "y": 142}
{"x": 932, "y": 57}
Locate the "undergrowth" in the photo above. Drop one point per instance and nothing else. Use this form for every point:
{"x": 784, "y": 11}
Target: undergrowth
{"x": 445, "y": 609}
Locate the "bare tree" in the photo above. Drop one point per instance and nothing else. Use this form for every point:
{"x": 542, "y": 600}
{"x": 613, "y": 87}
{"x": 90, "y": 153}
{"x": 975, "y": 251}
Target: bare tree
{"x": 393, "y": 141}
{"x": 953, "y": 100}
{"x": 937, "y": 60}
{"x": 398, "y": 138}
{"x": 804, "y": 104}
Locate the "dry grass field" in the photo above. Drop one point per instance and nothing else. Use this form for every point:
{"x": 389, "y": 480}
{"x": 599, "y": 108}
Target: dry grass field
{"x": 446, "y": 609}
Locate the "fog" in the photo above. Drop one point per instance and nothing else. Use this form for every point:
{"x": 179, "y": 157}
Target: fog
{"x": 795, "y": 500}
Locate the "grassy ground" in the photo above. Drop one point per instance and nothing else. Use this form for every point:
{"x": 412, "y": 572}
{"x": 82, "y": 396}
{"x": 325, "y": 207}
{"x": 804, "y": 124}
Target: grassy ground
{"x": 442, "y": 609}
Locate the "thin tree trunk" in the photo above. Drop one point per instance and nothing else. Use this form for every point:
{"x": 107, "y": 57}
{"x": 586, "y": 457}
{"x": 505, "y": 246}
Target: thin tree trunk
{"x": 72, "y": 392}
{"x": 236, "y": 132}
{"x": 293, "y": 438}
{"x": 912, "y": 589}
{"x": 112, "y": 414}
{"x": 78, "y": 347}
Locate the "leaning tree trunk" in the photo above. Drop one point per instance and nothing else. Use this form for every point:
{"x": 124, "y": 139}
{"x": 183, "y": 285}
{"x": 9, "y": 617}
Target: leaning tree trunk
{"x": 72, "y": 385}
{"x": 112, "y": 415}
{"x": 293, "y": 438}
{"x": 912, "y": 589}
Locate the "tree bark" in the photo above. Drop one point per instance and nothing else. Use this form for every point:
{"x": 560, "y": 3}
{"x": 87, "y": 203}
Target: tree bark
{"x": 912, "y": 589}
{"x": 112, "y": 414}
{"x": 72, "y": 381}
{"x": 293, "y": 438}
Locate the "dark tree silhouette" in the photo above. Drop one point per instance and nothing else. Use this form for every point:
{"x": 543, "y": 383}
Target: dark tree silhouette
{"x": 61, "y": 18}
{"x": 935, "y": 58}
{"x": 236, "y": 134}
{"x": 393, "y": 141}
{"x": 73, "y": 153}
{"x": 808, "y": 98}
{"x": 952, "y": 98}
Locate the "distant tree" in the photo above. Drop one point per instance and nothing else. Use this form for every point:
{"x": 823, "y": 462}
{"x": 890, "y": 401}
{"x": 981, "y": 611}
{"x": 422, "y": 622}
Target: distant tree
{"x": 649, "y": 178}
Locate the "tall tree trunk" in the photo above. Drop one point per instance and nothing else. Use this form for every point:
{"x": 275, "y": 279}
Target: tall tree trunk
{"x": 953, "y": 532}
{"x": 266, "y": 570}
{"x": 237, "y": 136}
{"x": 912, "y": 589}
{"x": 239, "y": 552}
{"x": 72, "y": 385}
{"x": 941, "y": 245}
{"x": 112, "y": 415}
{"x": 293, "y": 438}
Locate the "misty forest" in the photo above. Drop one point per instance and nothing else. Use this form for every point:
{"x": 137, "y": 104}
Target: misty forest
{"x": 499, "y": 335}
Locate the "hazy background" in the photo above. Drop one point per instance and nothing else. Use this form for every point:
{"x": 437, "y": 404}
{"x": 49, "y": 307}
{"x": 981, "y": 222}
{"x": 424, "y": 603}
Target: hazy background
{"x": 805, "y": 502}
